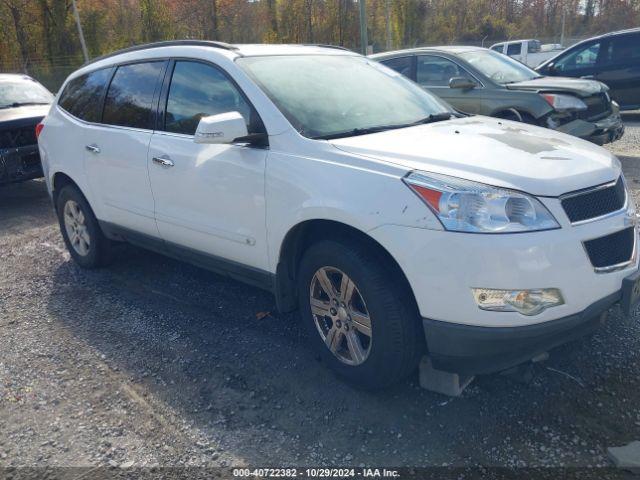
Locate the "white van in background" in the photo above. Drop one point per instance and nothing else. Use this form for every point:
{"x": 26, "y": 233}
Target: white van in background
{"x": 531, "y": 52}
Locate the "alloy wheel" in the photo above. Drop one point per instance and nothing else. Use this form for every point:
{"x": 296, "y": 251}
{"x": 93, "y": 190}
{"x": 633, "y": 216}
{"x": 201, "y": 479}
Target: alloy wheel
{"x": 75, "y": 225}
{"x": 340, "y": 315}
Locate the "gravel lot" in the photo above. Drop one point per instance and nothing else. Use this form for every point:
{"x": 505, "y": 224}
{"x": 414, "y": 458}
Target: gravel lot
{"x": 153, "y": 362}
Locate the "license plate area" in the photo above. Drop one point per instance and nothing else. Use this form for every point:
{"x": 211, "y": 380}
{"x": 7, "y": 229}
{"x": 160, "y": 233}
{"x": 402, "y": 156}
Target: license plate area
{"x": 630, "y": 293}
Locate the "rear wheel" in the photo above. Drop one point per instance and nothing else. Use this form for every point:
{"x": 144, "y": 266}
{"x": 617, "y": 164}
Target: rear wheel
{"x": 80, "y": 229}
{"x": 359, "y": 317}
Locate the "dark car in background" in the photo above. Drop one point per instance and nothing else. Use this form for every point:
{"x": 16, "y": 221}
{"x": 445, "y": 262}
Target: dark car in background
{"x": 23, "y": 104}
{"x": 477, "y": 80}
{"x": 613, "y": 59}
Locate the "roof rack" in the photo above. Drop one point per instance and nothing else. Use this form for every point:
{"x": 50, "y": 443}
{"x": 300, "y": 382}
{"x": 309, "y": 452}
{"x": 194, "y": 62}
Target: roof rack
{"x": 337, "y": 47}
{"x": 166, "y": 43}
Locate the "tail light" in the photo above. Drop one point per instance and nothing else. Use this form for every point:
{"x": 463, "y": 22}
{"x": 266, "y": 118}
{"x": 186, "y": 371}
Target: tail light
{"x": 39, "y": 128}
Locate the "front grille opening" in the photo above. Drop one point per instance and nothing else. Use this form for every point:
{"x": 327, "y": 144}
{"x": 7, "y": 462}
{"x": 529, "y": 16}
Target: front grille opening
{"x": 611, "y": 249}
{"x": 19, "y": 137}
{"x": 598, "y": 107}
{"x": 595, "y": 202}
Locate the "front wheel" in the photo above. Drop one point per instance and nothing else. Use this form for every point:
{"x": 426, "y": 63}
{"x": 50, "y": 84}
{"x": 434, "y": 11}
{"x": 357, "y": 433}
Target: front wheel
{"x": 359, "y": 317}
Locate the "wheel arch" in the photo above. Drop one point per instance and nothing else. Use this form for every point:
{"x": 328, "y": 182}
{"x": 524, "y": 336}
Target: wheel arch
{"x": 58, "y": 181}
{"x": 304, "y": 234}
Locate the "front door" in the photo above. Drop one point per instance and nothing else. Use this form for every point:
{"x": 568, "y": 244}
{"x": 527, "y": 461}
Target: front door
{"x": 434, "y": 73}
{"x": 116, "y": 149}
{"x": 208, "y": 198}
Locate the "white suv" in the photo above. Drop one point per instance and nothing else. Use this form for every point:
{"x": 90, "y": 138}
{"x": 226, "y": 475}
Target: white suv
{"x": 397, "y": 227}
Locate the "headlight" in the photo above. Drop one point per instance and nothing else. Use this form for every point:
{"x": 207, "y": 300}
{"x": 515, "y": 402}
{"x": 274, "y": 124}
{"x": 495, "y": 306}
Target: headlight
{"x": 564, "y": 102}
{"x": 466, "y": 206}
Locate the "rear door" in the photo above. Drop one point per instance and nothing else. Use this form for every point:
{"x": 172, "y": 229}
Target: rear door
{"x": 116, "y": 149}
{"x": 619, "y": 68}
{"x": 434, "y": 72}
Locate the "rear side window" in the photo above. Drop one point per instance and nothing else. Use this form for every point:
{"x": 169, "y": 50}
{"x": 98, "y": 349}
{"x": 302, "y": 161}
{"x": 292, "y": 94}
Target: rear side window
{"x": 129, "y": 101}
{"x": 534, "y": 46}
{"x": 198, "y": 90}
{"x": 514, "y": 49}
{"x": 82, "y": 97}
{"x": 401, "y": 65}
{"x": 623, "y": 49}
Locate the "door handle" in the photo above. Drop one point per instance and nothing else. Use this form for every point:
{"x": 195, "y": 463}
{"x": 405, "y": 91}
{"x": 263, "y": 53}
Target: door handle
{"x": 588, "y": 77}
{"x": 163, "y": 161}
{"x": 93, "y": 148}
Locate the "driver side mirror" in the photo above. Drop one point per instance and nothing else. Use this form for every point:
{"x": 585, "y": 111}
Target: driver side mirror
{"x": 461, "y": 83}
{"x": 222, "y": 128}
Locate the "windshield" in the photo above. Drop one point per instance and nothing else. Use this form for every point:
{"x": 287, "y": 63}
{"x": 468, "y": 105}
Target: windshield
{"x": 23, "y": 92}
{"x": 327, "y": 96}
{"x": 499, "y": 67}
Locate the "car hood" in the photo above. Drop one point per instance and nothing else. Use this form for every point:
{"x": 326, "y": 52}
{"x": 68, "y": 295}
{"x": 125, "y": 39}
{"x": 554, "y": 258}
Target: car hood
{"x": 577, "y": 86}
{"x": 497, "y": 152}
{"x": 20, "y": 114}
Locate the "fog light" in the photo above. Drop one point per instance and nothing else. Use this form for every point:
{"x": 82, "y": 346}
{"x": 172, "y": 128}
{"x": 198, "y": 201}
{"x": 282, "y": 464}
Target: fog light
{"x": 526, "y": 302}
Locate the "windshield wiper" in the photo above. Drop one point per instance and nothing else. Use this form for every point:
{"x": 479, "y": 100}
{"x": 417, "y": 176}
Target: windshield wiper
{"x": 434, "y": 117}
{"x": 358, "y": 131}
{"x": 23, "y": 104}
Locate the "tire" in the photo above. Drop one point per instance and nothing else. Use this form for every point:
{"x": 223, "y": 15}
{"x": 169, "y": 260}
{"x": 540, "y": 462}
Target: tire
{"x": 517, "y": 116}
{"x": 89, "y": 248}
{"x": 396, "y": 341}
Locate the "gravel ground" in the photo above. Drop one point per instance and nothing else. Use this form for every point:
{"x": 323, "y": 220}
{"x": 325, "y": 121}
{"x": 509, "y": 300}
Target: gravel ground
{"x": 153, "y": 362}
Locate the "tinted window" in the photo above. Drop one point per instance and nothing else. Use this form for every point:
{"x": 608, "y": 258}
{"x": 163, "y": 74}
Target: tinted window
{"x": 497, "y": 48}
{"x": 401, "y": 65}
{"x": 198, "y": 90}
{"x": 82, "y": 97}
{"x": 437, "y": 71}
{"x": 623, "y": 49}
{"x": 130, "y": 97}
{"x": 514, "y": 49}
{"x": 580, "y": 58}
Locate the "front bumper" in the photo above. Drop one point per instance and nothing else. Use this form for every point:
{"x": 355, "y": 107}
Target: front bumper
{"x": 475, "y": 350}
{"x": 443, "y": 267}
{"x": 603, "y": 131}
{"x": 19, "y": 164}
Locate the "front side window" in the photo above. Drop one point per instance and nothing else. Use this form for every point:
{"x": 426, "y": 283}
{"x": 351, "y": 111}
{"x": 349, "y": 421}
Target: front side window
{"x": 514, "y": 49}
{"x": 129, "y": 101}
{"x": 581, "y": 58}
{"x": 497, "y": 48}
{"x": 82, "y": 97}
{"x": 340, "y": 95}
{"x": 401, "y": 65}
{"x": 499, "y": 68}
{"x": 434, "y": 71}
{"x": 198, "y": 90}
{"x": 21, "y": 92}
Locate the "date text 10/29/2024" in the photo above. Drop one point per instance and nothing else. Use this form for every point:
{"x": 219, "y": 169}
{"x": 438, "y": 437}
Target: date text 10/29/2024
{"x": 315, "y": 473}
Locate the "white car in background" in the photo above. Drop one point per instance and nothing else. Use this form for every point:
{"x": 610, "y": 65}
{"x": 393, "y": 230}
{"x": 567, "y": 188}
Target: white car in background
{"x": 395, "y": 226}
{"x": 531, "y": 52}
